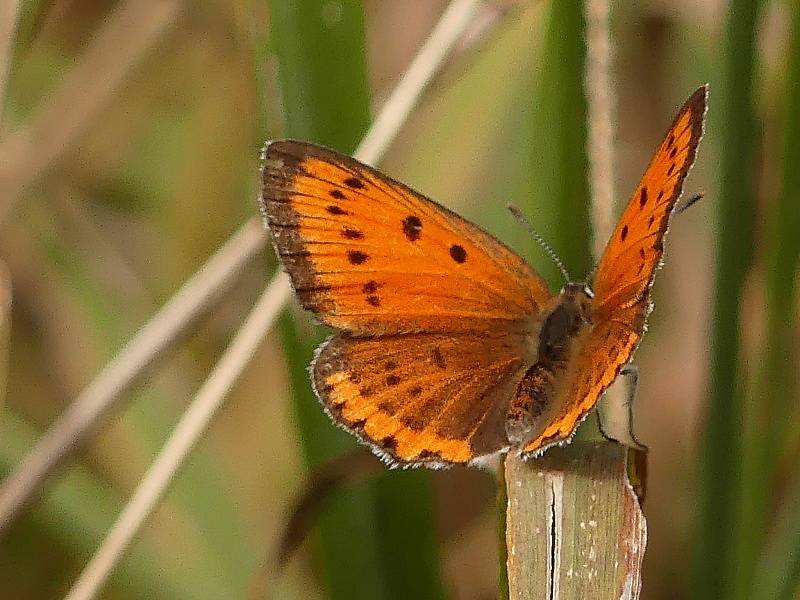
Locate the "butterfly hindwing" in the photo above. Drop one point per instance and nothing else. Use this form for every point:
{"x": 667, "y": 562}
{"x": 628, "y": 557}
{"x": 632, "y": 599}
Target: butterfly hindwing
{"x": 431, "y": 399}
{"x": 594, "y": 365}
{"x": 370, "y": 256}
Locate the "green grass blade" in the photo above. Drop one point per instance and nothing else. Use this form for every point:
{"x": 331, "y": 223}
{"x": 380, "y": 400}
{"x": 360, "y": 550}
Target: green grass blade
{"x": 322, "y": 70}
{"x": 777, "y": 569}
{"x": 721, "y": 455}
{"x": 780, "y": 380}
{"x": 408, "y": 542}
{"x": 559, "y": 163}
{"x": 376, "y": 540}
{"x": 776, "y": 390}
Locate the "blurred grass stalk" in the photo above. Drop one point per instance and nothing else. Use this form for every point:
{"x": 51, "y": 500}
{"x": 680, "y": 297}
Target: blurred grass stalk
{"x": 71, "y": 515}
{"x": 770, "y": 554}
{"x": 719, "y": 528}
{"x": 9, "y": 20}
{"x": 5, "y": 330}
{"x": 574, "y": 528}
{"x": 110, "y": 388}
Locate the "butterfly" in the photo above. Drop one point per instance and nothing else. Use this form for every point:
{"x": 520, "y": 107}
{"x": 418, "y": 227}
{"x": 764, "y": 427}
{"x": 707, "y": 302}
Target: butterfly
{"x": 448, "y": 347}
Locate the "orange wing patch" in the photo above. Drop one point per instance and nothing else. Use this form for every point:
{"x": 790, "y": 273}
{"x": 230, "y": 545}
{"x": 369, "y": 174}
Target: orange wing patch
{"x": 370, "y": 256}
{"x": 427, "y": 399}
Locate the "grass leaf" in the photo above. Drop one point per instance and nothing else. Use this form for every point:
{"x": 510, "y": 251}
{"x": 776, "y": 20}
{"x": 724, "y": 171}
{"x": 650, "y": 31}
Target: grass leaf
{"x": 721, "y": 453}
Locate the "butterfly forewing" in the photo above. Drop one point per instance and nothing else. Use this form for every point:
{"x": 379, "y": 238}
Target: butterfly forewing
{"x": 370, "y": 256}
{"x": 624, "y": 276}
{"x": 634, "y": 251}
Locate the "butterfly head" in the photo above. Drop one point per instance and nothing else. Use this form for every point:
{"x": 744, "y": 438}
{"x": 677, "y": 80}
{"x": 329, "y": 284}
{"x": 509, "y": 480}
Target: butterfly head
{"x": 578, "y": 295}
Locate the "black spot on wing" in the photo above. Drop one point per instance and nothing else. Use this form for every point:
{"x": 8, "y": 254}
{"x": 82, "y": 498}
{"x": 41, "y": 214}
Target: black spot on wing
{"x": 643, "y": 197}
{"x": 412, "y": 227}
{"x": 354, "y": 182}
{"x": 389, "y": 443}
{"x": 458, "y": 254}
{"x": 336, "y": 210}
{"x": 351, "y": 233}
{"x": 356, "y": 257}
{"x": 429, "y": 455}
{"x": 624, "y": 233}
{"x": 338, "y": 194}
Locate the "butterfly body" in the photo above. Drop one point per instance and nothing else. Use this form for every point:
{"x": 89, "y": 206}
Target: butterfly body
{"x": 449, "y": 347}
{"x": 557, "y": 339}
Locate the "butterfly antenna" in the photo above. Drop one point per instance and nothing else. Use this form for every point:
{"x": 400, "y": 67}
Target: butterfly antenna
{"x": 540, "y": 240}
{"x": 686, "y": 204}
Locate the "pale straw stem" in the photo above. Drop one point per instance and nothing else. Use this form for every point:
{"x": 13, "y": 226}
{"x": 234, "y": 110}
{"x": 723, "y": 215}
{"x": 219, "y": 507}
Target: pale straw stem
{"x": 9, "y": 20}
{"x": 600, "y": 134}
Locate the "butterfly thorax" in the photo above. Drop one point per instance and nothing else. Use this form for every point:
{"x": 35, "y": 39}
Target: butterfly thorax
{"x": 561, "y": 328}
{"x": 564, "y": 323}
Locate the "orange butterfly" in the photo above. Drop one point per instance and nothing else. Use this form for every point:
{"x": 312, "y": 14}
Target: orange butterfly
{"x": 449, "y": 346}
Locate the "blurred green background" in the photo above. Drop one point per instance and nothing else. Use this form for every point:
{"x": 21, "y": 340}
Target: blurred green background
{"x": 115, "y": 214}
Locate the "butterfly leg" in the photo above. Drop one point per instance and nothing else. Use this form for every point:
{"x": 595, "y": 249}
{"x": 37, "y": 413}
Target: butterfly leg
{"x": 528, "y": 403}
{"x": 615, "y": 421}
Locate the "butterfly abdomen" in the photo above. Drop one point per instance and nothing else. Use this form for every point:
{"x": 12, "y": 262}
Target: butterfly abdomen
{"x": 528, "y": 403}
{"x": 538, "y": 387}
